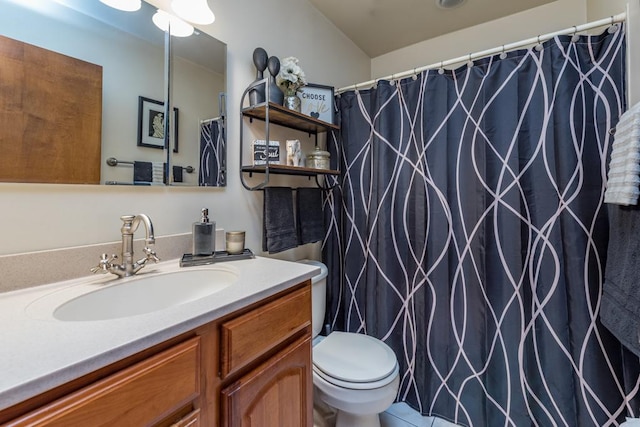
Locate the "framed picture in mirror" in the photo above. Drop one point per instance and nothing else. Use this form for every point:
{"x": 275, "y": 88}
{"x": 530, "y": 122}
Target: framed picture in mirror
{"x": 151, "y": 124}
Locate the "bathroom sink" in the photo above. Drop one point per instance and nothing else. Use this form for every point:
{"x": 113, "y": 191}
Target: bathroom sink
{"x": 145, "y": 294}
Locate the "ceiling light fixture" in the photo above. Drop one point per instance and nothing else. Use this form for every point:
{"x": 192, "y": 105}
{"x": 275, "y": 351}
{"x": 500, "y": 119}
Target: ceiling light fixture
{"x": 449, "y": 4}
{"x": 176, "y": 26}
{"x": 126, "y": 5}
{"x": 196, "y": 11}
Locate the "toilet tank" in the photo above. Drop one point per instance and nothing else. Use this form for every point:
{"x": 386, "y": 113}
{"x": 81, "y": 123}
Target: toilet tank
{"x": 318, "y": 295}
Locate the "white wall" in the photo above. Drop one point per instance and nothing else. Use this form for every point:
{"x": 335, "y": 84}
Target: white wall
{"x": 540, "y": 20}
{"x": 37, "y": 217}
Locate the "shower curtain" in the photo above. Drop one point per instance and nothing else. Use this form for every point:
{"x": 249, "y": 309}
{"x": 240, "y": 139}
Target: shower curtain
{"x": 468, "y": 233}
{"x": 213, "y": 154}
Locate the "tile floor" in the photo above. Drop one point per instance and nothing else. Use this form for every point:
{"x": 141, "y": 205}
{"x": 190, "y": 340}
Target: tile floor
{"x": 402, "y": 415}
{"x": 398, "y": 415}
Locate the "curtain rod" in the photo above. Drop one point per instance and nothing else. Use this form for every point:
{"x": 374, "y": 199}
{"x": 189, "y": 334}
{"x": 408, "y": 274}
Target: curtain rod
{"x": 214, "y": 119}
{"x": 507, "y": 47}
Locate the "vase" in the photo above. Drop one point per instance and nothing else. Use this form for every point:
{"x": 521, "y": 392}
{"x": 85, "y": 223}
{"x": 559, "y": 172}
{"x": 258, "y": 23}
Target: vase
{"x": 292, "y": 102}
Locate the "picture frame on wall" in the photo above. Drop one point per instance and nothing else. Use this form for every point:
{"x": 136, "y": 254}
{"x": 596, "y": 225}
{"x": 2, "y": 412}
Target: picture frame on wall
{"x": 317, "y": 101}
{"x": 151, "y": 124}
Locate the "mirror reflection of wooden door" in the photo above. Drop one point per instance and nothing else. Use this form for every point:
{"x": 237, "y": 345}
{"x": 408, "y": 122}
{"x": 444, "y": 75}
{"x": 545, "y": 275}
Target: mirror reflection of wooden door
{"x": 51, "y": 113}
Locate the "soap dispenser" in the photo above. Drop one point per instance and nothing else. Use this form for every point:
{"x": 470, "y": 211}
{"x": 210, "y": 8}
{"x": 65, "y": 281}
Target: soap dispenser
{"x": 204, "y": 235}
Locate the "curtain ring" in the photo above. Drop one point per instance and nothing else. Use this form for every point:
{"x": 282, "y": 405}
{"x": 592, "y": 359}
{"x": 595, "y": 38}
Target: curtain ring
{"x": 503, "y": 54}
{"x": 441, "y": 69}
{"x": 470, "y": 62}
{"x": 613, "y": 27}
{"x": 415, "y": 74}
{"x": 539, "y": 45}
{"x": 575, "y": 37}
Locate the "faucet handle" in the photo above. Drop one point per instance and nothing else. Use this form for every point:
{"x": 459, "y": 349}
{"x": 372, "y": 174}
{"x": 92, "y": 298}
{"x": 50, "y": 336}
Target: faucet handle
{"x": 104, "y": 264}
{"x": 151, "y": 254}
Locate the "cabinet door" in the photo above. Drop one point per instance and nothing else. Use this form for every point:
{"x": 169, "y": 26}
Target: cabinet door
{"x": 275, "y": 394}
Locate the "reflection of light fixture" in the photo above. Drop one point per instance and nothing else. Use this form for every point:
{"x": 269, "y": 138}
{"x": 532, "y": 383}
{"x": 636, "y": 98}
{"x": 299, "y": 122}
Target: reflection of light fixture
{"x": 196, "y": 11}
{"x": 126, "y": 5}
{"x": 179, "y": 28}
{"x": 449, "y": 4}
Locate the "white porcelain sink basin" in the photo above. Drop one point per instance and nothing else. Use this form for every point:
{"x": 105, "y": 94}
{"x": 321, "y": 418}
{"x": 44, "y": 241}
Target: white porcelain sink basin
{"x": 144, "y": 294}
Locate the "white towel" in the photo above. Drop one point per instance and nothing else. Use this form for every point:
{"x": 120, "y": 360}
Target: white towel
{"x": 158, "y": 172}
{"x": 623, "y": 184}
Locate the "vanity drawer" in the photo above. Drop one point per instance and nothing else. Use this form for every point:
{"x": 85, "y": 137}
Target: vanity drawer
{"x": 140, "y": 395}
{"x": 247, "y": 337}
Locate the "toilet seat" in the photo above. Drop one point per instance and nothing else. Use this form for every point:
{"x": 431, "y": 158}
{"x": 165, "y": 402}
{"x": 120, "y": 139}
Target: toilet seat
{"x": 354, "y": 361}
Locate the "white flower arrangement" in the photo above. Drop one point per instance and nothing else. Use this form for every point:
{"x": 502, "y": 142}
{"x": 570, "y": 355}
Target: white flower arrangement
{"x": 291, "y": 77}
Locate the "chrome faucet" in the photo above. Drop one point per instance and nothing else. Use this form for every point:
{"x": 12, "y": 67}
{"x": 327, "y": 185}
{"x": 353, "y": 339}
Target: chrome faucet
{"x": 128, "y": 267}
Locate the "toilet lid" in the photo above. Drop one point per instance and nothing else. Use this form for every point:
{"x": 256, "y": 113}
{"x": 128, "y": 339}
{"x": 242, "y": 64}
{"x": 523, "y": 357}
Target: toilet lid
{"x": 354, "y": 358}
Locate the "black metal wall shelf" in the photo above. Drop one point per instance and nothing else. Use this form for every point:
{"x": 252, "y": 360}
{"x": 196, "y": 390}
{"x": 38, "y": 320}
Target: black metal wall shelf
{"x": 272, "y": 113}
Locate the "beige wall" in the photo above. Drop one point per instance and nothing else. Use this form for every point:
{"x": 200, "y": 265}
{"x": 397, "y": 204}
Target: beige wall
{"x": 543, "y": 19}
{"x": 598, "y": 9}
{"x": 540, "y": 20}
{"x": 38, "y": 217}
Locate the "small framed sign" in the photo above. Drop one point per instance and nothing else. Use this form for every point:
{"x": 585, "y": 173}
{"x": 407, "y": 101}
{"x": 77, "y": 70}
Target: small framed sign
{"x": 260, "y": 152}
{"x": 317, "y": 102}
{"x": 151, "y": 124}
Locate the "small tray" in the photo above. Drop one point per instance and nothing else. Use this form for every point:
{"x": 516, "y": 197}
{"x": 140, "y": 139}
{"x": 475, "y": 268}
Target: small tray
{"x": 189, "y": 260}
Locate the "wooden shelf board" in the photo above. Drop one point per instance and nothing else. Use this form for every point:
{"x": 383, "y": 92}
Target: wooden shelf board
{"x": 285, "y": 117}
{"x": 289, "y": 170}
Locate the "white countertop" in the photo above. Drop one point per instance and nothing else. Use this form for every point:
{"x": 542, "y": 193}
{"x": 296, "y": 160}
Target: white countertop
{"x": 39, "y": 352}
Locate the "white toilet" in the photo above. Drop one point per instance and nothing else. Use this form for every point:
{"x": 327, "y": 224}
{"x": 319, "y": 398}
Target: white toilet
{"x": 355, "y": 374}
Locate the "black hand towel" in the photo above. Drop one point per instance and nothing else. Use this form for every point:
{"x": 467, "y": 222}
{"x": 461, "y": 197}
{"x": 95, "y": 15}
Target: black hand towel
{"x": 310, "y": 215}
{"x": 142, "y": 172}
{"x": 620, "y": 309}
{"x": 279, "y": 226}
{"x": 177, "y": 174}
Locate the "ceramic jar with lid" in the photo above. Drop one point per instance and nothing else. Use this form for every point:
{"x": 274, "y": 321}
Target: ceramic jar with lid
{"x": 318, "y": 159}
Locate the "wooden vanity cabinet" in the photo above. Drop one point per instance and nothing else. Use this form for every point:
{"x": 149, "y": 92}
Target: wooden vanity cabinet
{"x": 145, "y": 393}
{"x": 251, "y": 367}
{"x": 266, "y": 365}
{"x": 275, "y": 394}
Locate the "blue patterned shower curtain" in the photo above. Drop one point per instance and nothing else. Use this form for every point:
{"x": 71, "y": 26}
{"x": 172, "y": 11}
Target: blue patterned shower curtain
{"x": 213, "y": 154}
{"x": 468, "y": 233}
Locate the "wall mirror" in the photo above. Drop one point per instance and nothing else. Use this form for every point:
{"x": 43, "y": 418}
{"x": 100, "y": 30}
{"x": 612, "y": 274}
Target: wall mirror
{"x": 128, "y": 50}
